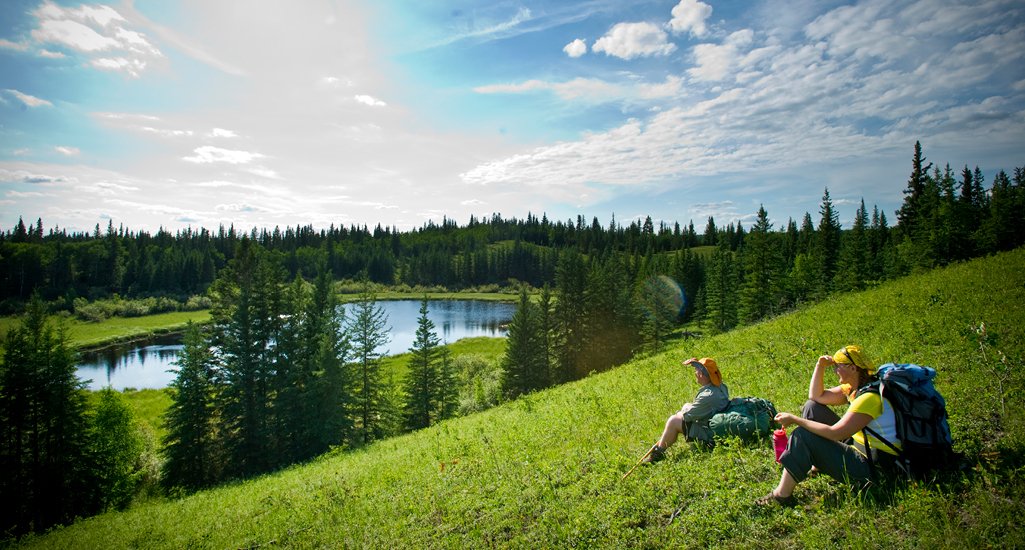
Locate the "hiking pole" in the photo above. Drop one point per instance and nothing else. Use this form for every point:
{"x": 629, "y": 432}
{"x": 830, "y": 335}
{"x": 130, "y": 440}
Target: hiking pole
{"x": 638, "y": 463}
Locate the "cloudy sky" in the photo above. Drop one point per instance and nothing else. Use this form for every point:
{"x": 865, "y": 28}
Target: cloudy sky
{"x": 205, "y": 112}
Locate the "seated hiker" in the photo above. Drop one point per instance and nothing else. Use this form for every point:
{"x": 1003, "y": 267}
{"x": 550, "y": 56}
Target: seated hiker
{"x": 692, "y": 420}
{"x": 833, "y": 445}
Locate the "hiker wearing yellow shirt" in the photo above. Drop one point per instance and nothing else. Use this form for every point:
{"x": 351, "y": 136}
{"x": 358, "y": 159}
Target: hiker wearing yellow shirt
{"x": 835, "y": 445}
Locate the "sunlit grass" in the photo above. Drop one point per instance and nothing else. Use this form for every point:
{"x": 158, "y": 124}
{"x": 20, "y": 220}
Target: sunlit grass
{"x": 544, "y": 471}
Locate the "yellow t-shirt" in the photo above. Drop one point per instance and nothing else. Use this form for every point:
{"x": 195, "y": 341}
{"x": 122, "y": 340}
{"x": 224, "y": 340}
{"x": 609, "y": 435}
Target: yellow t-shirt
{"x": 884, "y": 421}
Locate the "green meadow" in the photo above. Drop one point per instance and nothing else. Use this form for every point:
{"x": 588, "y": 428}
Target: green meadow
{"x": 87, "y": 334}
{"x": 545, "y": 471}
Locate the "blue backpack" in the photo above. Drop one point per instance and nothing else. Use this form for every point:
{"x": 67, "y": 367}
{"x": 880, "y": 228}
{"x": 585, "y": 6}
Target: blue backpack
{"x": 921, "y": 414}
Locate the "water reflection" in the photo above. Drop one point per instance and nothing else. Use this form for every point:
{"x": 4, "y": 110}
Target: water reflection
{"x": 145, "y": 364}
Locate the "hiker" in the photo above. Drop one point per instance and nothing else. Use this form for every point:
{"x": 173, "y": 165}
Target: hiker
{"x": 692, "y": 420}
{"x": 824, "y": 442}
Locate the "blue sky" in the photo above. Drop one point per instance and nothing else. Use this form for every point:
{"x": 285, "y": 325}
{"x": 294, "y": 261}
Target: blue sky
{"x": 200, "y": 113}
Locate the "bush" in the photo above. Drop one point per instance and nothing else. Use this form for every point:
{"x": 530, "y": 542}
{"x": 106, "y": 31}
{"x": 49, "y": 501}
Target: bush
{"x": 195, "y": 303}
{"x": 480, "y": 383}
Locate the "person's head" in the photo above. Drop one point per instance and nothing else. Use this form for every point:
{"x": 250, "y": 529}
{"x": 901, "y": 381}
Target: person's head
{"x": 852, "y": 366}
{"x": 706, "y": 371}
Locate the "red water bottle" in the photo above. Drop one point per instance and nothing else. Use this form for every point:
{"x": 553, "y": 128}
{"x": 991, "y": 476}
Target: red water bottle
{"x": 779, "y": 440}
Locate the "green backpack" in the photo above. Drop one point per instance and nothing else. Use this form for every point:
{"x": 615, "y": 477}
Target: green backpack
{"x": 744, "y": 417}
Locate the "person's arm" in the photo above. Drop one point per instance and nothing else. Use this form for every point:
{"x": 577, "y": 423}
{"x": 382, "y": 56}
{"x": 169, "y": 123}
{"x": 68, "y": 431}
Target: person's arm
{"x": 831, "y": 396}
{"x": 850, "y": 424}
{"x": 702, "y": 407}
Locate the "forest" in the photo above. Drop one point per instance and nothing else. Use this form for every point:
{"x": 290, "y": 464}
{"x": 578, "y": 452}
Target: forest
{"x": 284, "y": 374}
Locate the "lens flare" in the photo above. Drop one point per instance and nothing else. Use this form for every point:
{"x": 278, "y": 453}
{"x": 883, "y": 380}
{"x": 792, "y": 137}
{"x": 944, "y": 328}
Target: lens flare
{"x": 662, "y": 298}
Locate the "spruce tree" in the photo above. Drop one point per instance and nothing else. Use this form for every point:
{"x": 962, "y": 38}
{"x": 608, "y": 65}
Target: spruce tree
{"x": 423, "y": 386}
{"x": 827, "y": 245}
{"x": 570, "y": 303}
{"x": 761, "y": 288}
{"x": 720, "y": 289}
{"x": 191, "y": 460}
{"x": 43, "y": 428}
{"x": 368, "y": 332}
{"x": 854, "y": 269}
{"x": 523, "y": 363}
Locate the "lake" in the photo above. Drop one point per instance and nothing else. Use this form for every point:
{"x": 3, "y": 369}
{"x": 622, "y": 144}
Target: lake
{"x": 144, "y": 364}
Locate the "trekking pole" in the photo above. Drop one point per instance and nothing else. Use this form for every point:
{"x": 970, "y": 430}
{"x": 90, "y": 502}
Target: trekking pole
{"x": 638, "y": 463}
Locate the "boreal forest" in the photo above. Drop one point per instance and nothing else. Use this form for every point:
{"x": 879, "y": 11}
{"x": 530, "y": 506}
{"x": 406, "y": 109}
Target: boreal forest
{"x": 283, "y": 374}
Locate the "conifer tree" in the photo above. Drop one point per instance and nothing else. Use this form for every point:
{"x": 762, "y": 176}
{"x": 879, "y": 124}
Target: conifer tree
{"x": 720, "y": 289}
{"x": 332, "y": 401}
{"x": 423, "y": 385}
{"x": 523, "y": 364}
{"x": 853, "y": 272}
{"x": 191, "y": 460}
{"x": 43, "y": 427}
{"x": 827, "y": 245}
{"x": 761, "y": 288}
{"x": 570, "y": 284}
{"x": 368, "y": 332}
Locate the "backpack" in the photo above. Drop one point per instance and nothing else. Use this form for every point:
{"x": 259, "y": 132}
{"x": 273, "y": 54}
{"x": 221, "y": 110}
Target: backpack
{"x": 744, "y": 417}
{"x": 921, "y": 414}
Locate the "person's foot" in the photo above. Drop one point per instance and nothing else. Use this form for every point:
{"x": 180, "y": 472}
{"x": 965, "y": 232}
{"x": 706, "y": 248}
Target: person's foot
{"x": 656, "y": 454}
{"x": 773, "y": 499}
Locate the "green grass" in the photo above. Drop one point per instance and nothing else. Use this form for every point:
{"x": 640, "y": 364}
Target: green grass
{"x": 544, "y": 471}
{"x": 492, "y": 349}
{"x": 392, "y": 295}
{"x": 86, "y": 334}
{"x": 149, "y": 407}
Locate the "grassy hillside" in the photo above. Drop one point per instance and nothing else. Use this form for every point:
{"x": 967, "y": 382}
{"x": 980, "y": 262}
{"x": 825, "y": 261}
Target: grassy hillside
{"x": 544, "y": 471}
{"x": 85, "y": 334}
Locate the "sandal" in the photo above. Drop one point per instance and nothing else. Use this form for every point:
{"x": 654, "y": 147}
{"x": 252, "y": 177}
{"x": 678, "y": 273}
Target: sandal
{"x": 773, "y": 498}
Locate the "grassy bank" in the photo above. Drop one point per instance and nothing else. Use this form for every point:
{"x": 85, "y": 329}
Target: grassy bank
{"x": 88, "y": 334}
{"x": 544, "y": 471}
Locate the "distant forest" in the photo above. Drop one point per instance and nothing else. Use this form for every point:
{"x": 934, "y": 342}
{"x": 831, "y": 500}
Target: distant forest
{"x": 747, "y": 274}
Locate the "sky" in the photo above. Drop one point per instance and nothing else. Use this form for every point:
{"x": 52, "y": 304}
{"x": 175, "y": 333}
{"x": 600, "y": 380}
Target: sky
{"x": 201, "y": 113}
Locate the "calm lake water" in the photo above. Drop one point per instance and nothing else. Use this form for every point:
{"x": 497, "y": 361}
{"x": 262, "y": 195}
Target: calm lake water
{"x": 145, "y": 364}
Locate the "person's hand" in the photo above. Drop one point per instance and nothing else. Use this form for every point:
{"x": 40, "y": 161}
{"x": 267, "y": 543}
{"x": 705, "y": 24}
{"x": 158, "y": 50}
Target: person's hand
{"x": 825, "y": 362}
{"x": 786, "y": 419}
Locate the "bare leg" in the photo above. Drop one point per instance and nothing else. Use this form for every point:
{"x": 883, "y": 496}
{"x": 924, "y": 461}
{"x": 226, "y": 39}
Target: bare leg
{"x": 786, "y": 486}
{"x": 674, "y": 427}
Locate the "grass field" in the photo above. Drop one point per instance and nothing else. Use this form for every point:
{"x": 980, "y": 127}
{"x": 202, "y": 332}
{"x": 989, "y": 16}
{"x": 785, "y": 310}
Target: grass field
{"x": 544, "y": 471}
{"x": 87, "y": 334}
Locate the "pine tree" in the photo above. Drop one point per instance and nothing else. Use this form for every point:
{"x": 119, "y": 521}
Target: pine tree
{"x": 570, "y": 284}
{"x": 332, "y": 401}
{"x": 909, "y": 217}
{"x": 368, "y": 332}
{"x": 423, "y": 385}
{"x": 189, "y": 449}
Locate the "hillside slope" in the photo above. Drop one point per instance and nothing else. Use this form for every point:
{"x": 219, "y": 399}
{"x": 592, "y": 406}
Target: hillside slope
{"x": 544, "y": 471}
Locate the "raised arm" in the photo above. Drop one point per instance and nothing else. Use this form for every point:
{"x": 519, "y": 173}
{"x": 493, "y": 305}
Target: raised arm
{"x": 831, "y": 396}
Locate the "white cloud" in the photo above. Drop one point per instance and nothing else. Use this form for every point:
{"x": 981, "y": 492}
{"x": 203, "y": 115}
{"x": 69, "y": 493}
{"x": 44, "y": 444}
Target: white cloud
{"x": 67, "y": 151}
{"x": 241, "y": 207}
{"x": 580, "y": 88}
{"x": 670, "y": 88}
{"x": 171, "y": 133}
{"x": 28, "y": 100}
{"x": 48, "y": 53}
{"x": 24, "y": 176}
{"x": 264, "y": 172}
{"x": 576, "y": 48}
{"x": 472, "y": 202}
{"x": 760, "y": 103}
{"x": 368, "y": 100}
{"x": 27, "y": 194}
{"x": 629, "y": 40}
{"x": 106, "y": 188}
{"x": 221, "y": 132}
{"x": 715, "y": 62}
{"x": 208, "y": 154}
{"x": 689, "y": 16}
{"x": 512, "y": 88}
{"x": 21, "y": 152}
{"x": 4, "y": 43}
{"x": 95, "y": 30}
